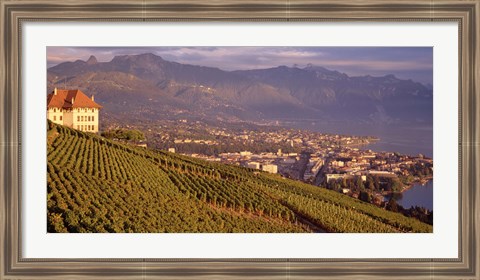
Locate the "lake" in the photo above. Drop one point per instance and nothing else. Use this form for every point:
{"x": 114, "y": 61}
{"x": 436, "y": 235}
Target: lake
{"x": 411, "y": 143}
{"x": 418, "y": 195}
{"x": 406, "y": 139}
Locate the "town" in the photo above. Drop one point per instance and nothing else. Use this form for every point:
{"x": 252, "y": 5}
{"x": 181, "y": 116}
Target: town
{"x": 343, "y": 163}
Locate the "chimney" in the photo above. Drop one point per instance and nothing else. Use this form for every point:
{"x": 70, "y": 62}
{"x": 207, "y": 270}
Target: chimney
{"x": 93, "y": 98}
{"x": 55, "y": 91}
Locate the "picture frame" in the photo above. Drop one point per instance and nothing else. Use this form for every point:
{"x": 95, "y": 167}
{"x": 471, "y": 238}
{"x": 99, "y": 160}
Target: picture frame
{"x": 15, "y": 13}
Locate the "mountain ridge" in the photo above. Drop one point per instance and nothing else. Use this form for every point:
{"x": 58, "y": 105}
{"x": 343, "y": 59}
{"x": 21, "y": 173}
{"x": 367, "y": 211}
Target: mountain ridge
{"x": 272, "y": 93}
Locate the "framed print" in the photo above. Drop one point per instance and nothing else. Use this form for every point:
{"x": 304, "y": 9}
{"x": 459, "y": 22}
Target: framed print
{"x": 239, "y": 140}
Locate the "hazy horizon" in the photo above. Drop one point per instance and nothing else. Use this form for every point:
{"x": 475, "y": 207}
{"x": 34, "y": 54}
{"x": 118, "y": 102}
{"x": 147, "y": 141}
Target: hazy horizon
{"x": 415, "y": 63}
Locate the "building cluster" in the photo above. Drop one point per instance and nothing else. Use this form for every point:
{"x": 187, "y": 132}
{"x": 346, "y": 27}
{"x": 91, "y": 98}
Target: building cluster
{"x": 357, "y": 162}
{"x": 196, "y": 141}
{"x": 308, "y": 156}
{"x": 302, "y": 155}
{"x": 268, "y": 162}
{"x": 325, "y": 157}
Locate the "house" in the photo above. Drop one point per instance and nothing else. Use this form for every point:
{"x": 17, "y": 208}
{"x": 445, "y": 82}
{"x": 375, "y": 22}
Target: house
{"x": 253, "y": 164}
{"x": 271, "y": 168}
{"x": 72, "y": 108}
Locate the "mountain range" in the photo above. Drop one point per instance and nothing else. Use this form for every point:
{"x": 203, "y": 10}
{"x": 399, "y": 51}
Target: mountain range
{"x": 147, "y": 86}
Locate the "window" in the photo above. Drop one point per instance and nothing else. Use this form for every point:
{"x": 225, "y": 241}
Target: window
{"x": 81, "y": 118}
{"x": 78, "y": 118}
{"x": 81, "y": 127}
{"x": 60, "y": 117}
{"x": 88, "y": 118}
{"x": 93, "y": 127}
{"x": 54, "y": 118}
{"x": 93, "y": 119}
{"x": 54, "y": 110}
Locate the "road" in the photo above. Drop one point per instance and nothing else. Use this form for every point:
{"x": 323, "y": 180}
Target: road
{"x": 321, "y": 173}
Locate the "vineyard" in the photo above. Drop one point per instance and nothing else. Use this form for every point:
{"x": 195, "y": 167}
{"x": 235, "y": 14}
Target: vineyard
{"x": 99, "y": 185}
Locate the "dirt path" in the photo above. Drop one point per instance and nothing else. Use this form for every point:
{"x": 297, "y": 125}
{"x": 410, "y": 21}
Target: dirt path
{"x": 302, "y": 219}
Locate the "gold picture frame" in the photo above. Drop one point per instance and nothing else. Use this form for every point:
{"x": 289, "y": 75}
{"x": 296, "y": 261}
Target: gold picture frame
{"x": 13, "y": 13}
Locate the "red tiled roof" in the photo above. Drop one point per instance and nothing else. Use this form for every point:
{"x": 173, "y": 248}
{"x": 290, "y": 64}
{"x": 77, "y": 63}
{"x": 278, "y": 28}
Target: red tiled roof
{"x": 63, "y": 99}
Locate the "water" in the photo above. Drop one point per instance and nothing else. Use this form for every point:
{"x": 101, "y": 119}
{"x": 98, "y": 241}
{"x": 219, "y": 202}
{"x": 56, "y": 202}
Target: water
{"x": 406, "y": 139}
{"x": 418, "y": 195}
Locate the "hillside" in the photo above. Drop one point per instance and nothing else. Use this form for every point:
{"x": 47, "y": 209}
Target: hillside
{"x": 147, "y": 86}
{"x": 97, "y": 185}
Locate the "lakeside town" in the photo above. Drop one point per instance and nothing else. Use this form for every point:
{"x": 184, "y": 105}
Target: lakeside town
{"x": 325, "y": 158}
{"x": 343, "y": 163}
{"x": 187, "y": 147}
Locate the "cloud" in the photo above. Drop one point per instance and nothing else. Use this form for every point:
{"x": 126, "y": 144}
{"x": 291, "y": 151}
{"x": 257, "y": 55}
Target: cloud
{"x": 380, "y": 64}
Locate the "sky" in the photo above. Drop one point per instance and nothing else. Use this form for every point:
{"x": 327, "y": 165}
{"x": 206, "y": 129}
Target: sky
{"x": 414, "y": 63}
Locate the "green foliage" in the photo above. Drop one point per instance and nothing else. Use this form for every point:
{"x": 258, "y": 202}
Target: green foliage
{"x": 365, "y": 196}
{"x": 124, "y": 134}
{"x": 98, "y": 185}
{"x": 392, "y": 205}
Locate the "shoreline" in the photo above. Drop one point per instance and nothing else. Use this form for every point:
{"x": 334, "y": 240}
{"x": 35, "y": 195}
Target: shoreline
{"x": 372, "y": 141}
{"x": 422, "y": 181}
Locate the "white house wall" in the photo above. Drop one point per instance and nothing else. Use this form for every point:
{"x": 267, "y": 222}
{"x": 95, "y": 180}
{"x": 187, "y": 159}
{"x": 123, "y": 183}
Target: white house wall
{"x": 55, "y": 115}
{"x": 77, "y": 118}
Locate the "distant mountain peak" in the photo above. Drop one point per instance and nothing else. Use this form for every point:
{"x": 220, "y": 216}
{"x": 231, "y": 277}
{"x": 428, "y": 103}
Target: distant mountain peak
{"x": 92, "y": 60}
{"x": 143, "y": 56}
{"x": 312, "y": 67}
{"x": 149, "y": 55}
{"x": 119, "y": 58}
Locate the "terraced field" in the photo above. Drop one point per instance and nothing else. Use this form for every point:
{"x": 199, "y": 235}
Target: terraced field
{"x": 98, "y": 185}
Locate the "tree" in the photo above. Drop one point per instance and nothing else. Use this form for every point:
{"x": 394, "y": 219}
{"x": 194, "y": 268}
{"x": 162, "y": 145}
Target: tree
{"x": 359, "y": 184}
{"x": 370, "y": 183}
{"x": 392, "y": 205}
{"x": 396, "y": 185}
{"x": 134, "y": 135}
{"x": 365, "y": 196}
{"x": 124, "y": 134}
{"x": 376, "y": 182}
